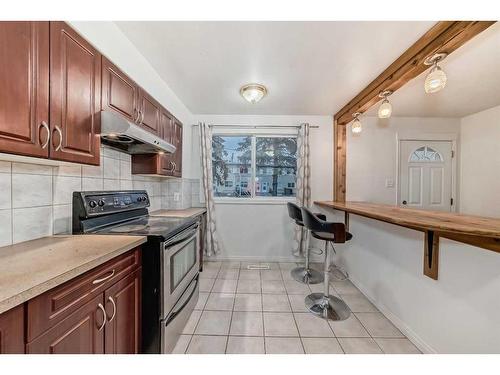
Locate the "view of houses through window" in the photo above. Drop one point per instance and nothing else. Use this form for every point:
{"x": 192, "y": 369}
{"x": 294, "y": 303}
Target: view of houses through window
{"x": 246, "y": 166}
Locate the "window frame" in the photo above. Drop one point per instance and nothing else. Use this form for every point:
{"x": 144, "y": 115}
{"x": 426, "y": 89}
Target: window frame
{"x": 255, "y": 133}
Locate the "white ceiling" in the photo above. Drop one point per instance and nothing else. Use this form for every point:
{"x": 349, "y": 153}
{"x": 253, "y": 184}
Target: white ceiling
{"x": 308, "y": 67}
{"x": 473, "y": 83}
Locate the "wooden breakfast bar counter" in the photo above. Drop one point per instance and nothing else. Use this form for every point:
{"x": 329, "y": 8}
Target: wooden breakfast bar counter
{"x": 478, "y": 231}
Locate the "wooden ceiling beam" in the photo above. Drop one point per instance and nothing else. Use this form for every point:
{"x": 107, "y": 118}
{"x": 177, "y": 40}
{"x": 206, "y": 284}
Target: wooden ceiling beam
{"x": 444, "y": 36}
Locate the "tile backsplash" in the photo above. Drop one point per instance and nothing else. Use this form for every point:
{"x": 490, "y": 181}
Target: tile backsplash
{"x": 35, "y": 200}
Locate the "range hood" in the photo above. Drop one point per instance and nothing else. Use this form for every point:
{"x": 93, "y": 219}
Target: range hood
{"x": 122, "y": 134}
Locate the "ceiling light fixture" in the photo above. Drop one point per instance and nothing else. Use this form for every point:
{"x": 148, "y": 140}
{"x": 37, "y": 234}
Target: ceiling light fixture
{"x": 356, "y": 127}
{"x": 253, "y": 92}
{"x": 385, "y": 109}
{"x": 436, "y": 79}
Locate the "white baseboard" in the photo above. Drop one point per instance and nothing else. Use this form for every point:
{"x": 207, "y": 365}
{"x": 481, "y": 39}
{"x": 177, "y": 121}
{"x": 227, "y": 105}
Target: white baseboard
{"x": 216, "y": 258}
{"x": 401, "y": 325}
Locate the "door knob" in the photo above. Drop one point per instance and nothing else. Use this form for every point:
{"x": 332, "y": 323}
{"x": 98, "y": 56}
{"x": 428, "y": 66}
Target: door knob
{"x": 404, "y": 202}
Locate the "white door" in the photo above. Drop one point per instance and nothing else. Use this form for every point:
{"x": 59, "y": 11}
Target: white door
{"x": 425, "y": 175}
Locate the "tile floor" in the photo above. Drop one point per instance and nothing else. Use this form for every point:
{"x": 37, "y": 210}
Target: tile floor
{"x": 243, "y": 311}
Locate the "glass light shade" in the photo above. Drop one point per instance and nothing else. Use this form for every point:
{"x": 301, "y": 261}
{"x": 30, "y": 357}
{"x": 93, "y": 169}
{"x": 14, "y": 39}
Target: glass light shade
{"x": 253, "y": 93}
{"x": 435, "y": 80}
{"x": 385, "y": 109}
{"x": 356, "y": 126}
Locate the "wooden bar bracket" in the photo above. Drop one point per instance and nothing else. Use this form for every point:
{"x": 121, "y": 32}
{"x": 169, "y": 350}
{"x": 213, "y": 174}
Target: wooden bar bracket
{"x": 431, "y": 254}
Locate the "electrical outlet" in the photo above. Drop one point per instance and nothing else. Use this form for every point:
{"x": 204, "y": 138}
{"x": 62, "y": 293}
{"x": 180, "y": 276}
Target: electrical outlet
{"x": 389, "y": 183}
{"x": 177, "y": 197}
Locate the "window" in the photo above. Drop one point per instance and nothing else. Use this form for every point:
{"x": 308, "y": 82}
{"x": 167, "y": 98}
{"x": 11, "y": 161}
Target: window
{"x": 425, "y": 153}
{"x": 248, "y": 166}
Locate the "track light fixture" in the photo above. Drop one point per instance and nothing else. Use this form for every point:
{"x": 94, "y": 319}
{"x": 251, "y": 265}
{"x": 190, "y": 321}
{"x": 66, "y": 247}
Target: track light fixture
{"x": 385, "y": 109}
{"x": 356, "y": 126}
{"x": 436, "y": 79}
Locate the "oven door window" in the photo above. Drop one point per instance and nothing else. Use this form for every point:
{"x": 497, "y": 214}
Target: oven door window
{"x": 181, "y": 263}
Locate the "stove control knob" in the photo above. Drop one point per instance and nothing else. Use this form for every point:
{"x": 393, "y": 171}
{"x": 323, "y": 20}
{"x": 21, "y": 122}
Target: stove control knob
{"x": 144, "y": 199}
{"x": 92, "y": 204}
{"x": 139, "y": 199}
{"x": 100, "y": 203}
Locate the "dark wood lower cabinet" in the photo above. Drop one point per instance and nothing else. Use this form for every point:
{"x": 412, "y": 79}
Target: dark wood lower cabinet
{"x": 103, "y": 320}
{"x": 123, "y": 303}
{"x": 79, "y": 333}
{"x": 12, "y": 331}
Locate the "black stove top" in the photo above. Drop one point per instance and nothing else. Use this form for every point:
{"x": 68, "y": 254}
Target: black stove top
{"x": 151, "y": 226}
{"x": 122, "y": 212}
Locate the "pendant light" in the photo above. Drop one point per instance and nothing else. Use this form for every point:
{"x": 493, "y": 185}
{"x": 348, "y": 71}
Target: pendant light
{"x": 356, "y": 126}
{"x": 385, "y": 109}
{"x": 253, "y": 92}
{"x": 436, "y": 79}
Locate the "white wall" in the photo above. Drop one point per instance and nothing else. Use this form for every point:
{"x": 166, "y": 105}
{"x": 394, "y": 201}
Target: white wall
{"x": 459, "y": 312}
{"x": 264, "y": 231}
{"x": 456, "y": 314}
{"x": 111, "y": 42}
{"x": 480, "y": 163}
{"x": 372, "y": 154}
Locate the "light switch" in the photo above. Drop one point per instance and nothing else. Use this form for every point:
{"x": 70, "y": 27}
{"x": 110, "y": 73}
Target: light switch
{"x": 389, "y": 183}
{"x": 177, "y": 197}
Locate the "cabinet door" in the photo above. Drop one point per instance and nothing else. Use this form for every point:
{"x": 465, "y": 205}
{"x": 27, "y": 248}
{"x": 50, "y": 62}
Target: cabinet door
{"x": 119, "y": 92}
{"x": 12, "y": 331}
{"x": 150, "y": 113}
{"x": 166, "y": 160}
{"x": 24, "y": 92}
{"x": 79, "y": 333}
{"x": 123, "y": 307}
{"x": 75, "y": 96}
{"x": 178, "y": 145}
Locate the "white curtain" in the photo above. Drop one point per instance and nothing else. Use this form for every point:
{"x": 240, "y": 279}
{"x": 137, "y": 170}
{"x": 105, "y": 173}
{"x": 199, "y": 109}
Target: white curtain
{"x": 212, "y": 244}
{"x": 303, "y": 192}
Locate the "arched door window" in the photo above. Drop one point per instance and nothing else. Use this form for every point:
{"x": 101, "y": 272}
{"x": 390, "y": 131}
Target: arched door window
{"x": 425, "y": 154}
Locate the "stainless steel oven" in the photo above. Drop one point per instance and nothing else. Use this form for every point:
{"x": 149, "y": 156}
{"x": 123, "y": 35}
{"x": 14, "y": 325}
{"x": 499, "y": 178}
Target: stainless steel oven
{"x": 180, "y": 260}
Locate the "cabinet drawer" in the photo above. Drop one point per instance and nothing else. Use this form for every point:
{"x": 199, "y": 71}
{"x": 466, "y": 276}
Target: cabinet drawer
{"x": 53, "y": 306}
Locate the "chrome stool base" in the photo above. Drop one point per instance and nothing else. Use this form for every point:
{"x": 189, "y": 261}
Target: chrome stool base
{"x": 307, "y": 276}
{"x": 327, "y": 307}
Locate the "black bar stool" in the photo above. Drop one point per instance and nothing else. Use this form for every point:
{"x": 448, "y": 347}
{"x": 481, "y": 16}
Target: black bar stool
{"x": 303, "y": 274}
{"x": 323, "y": 304}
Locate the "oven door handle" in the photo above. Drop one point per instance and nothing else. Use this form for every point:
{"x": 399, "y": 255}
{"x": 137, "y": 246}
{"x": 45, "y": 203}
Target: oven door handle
{"x": 186, "y": 235}
{"x": 183, "y": 301}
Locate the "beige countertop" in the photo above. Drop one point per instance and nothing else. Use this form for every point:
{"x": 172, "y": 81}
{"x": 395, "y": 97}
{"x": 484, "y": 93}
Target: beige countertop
{"x": 31, "y": 268}
{"x": 188, "y": 212}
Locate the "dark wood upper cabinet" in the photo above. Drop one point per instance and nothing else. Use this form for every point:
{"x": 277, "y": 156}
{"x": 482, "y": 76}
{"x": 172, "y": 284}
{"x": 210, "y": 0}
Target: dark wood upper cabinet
{"x": 164, "y": 164}
{"x": 177, "y": 142}
{"x": 79, "y": 333}
{"x": 24, "y": 93}
{"x": 149, "y": 110}
{"x": 119, "y": 92}
{"x": 12, "y": 331}
{"x": 75, "y": 96}
{"x": 123, "y": 306}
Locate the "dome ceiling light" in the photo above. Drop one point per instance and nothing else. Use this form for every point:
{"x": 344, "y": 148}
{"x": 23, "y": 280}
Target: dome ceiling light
{"x": 253, "y": 92}
{"x": 436, "y": 79}
{"x": 385, "y": 109}
{"x": 356, "y": 126}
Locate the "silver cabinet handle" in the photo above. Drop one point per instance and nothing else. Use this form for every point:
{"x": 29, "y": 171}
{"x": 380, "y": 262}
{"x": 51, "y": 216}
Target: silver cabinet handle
{"x": 138, "y": 116}
{"x": 59, "y": 146}
{"x": 172, "y": 166}
{"x": 110, "y": 299}
{"x": 142, "y": 117}
{"x": 102, "y": 279}
{"x": 175, "y": 165}
{"x": 134, "y": 116}
{"x": 46, "y": 127}
{"x": 100, "y": 306}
